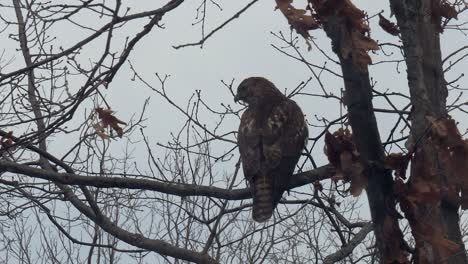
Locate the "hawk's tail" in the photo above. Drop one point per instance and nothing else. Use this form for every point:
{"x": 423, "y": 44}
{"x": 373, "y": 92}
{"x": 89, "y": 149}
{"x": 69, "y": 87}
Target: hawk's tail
{"x": 262, "y": 208}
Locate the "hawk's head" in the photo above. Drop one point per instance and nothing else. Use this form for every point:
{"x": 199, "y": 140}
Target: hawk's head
{"x": 257, "y": 90}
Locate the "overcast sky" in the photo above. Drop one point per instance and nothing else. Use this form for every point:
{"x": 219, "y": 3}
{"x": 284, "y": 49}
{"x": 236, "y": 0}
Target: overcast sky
{"x": 242, "y": 49}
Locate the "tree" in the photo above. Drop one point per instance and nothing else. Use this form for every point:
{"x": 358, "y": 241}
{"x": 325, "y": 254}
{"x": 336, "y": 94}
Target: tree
{"x": 81, "y": 184}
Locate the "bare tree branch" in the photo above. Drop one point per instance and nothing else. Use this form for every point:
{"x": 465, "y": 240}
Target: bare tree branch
{"x": 179, "y": 189}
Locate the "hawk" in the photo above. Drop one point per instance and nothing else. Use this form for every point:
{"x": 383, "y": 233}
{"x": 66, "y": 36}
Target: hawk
{"x": 272, "y": 134}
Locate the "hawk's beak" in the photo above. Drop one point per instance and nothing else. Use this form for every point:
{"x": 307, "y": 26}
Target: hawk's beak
{"x": 236, "y": 98}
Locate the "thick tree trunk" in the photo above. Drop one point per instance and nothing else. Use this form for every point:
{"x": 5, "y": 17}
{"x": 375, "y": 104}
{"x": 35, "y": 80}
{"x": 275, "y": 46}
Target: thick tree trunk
{"x": 428, "y": 91}
{"x": 366, "y": 136}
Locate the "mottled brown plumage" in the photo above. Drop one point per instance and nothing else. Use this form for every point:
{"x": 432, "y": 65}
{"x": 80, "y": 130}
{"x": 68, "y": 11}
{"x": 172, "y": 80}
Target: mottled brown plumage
{"x": 272, "y": 134}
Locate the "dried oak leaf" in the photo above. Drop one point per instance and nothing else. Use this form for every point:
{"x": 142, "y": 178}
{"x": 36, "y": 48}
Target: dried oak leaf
{"x": 297, "y": 18}
{"x": 101, "y": 131}
{"x": 358, "y": 181}
{"x": 448, "y": 140}
{"x": 388, "y": 26}
{"x": 108, "y": 119}
{"x": 455, "y": 161}
{"x": 342, "y": 8}
{"x": 338, "y": 142}
{"x": 421, "y": 191}
{"x": 452, "y": 150}
{"x": 393, "y": 237}
{"x": 442, "y": 248}
{"x": 400, "y": 188}
{"x": 354, "y": 41}
{"x": 441, "y": 8}
{"x": 318, "y": 186}
{"x": 7, "y": 141}
{"x": 342, "y": 154}
{"x": 445, "y": 133}
{"x": 398, "y": 162}
{"x": 424, "y": 228}
{"x": 444, "y": 9}
{"x": 358, "y": 47}
{"x": 346, "y": 161}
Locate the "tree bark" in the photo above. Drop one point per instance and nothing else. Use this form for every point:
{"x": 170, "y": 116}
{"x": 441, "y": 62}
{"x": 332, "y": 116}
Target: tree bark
{"x": 421, "y": 44}
{"x": 358, "y": 94}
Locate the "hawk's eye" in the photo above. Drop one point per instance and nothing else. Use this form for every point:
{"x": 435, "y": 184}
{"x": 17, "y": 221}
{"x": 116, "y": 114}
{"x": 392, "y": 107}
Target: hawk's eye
{"x": 243, "y": 90}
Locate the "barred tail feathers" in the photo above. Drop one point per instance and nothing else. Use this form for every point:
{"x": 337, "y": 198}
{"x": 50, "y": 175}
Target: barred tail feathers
{"x": 262, "y": 208}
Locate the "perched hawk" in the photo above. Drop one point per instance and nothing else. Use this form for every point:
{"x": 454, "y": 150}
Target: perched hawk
{"x": 272, "y": 134}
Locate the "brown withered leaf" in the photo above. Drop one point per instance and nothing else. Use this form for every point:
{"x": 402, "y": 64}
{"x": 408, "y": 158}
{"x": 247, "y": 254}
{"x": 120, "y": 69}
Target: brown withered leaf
{"x": 354, "y": 41}
{"x": 418, "y": 190}
{"x": 342, "y": 8}
{"x": 357, "y": 47}
{"x": 447, "y": 247}
{"x": 432, "y": 233}
{"x": 7, "y": 143}
{"x": 442, "y": 8}
{"x": 393, "y": 161}
{"x": 400, "y": 188}
{"x": 101, "y": 131}
{"x": 362, "y": 44}
{"x": 109, "y": 120}
{"x": 318, "y": 186}
{"x": 325, "y": 8}
{"x": 332, "y": 149}
{"x": 388, "y": 26}
{"x": 455, "y": 161}
{"x": 346, "y": 161}
{"x": 393, "y": 237}
{"x": 283, "y": 4}
{"x": 408, "y": 208}
{"x": 398, "y": 162}
{"x": 342, "y": 154}
{"x": 423, "y": 192}
{"x": 338, "y": 142}
{"x": 447, "y": 138}
{"x": 438, "y": 126}
{"x": 446, "y": 9}
{"x": 358, "y": 180}
{"x": 425, "y": 228}
{"x": 339, "y": 176}
{"x": 424, "y": 189}
{"x": 445, "y": 132}
{"x": 353, "y": 171}
{"x": 452, "y": 151}
{"x": 298, "y": 19}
